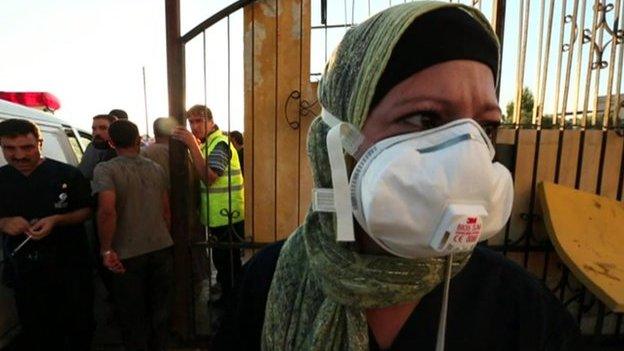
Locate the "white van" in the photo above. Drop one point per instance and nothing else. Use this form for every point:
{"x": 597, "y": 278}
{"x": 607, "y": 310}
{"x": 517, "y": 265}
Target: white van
{"x": 61, "y": 142}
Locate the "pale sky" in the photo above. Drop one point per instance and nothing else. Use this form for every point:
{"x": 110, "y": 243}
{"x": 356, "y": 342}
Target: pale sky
{"x": 90, "y": 54}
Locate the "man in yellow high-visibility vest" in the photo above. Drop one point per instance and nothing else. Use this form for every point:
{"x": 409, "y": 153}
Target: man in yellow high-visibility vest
{"x": 222, "y": 197}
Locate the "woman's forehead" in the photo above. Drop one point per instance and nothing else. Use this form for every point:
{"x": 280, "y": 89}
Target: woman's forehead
{"x": 447, "y": 81}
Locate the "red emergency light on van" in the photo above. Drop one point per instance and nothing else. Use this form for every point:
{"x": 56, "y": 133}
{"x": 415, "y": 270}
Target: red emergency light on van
{"x": 40, "y": 100}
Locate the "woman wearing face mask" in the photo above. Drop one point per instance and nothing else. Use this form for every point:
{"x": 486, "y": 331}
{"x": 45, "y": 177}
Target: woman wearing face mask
{"x": 401, "y": 154}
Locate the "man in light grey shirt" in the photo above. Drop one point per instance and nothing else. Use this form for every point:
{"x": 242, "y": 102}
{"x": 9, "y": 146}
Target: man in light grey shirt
{"x": 133, "y": 225}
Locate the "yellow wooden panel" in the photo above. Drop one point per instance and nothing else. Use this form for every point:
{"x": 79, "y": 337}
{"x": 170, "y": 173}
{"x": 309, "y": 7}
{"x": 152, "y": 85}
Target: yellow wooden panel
{"x": 587, "y": 231}
{"x": 287, "y": 138}
{"x": 569, "y": 157}
{"x": 505, "y": 140}
{"x": 264, "y": 115}
{"x": 612, "y": 165}
{"x": 249, "y": 135}
{"x": 591, "y": 160}
{"x": 547, "y": 162}
{"x": 506, "y": 136}
{"x": 523, "y": 175}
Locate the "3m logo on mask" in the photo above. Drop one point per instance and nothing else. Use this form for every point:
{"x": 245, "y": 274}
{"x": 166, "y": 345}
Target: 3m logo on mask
{"x": 466, "y": 234}
{"x": 460, "y": 229}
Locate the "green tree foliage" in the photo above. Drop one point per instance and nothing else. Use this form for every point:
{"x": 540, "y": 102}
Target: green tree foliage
{"x": 526, "y": 108}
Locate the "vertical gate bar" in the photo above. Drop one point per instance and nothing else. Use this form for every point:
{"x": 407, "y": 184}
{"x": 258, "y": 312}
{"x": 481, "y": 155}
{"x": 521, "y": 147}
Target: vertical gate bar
{"x": 522, "y": 43}
{"x": 566, "y": 88}
{"x": 614, "y": 47}
{"x": 207, "y": 233}
{"x": 621, "y": 181}
{"x": 539, "y": 71}
{"x": 544, "y": 77}
{"x": 599, "y": 319}
{"x": 181, "y": 197}
{"x": 506, "y": 240}
{"x": 579, "y": 62}
{"x": 545, "y": 268}
{"x": 528, "y": 232}
{"x": 231, "y": 230}
{"x": 559, "y": 60}
{"x": 498, "y": 23}
{"x": 564, "y": 283}
{"x": 579, "y": 314}
{"x": 601, "y": 26}
{"x": 590, "y": 62}
{"x": 618, "y": 99}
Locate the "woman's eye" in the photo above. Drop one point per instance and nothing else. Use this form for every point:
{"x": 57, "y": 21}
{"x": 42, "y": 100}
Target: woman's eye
{"x": 424, "y": 120}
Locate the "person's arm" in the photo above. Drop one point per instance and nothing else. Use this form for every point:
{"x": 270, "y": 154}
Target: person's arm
{"x": 107, "y": 224}
{"x": 13, "y": 225}
{"x": 106, "y": 219}
{"x": 44, "y": 226}
{"x": 207, "y": 175}
{"x": 78, "y": 198}
{"x": 104, "y": 187}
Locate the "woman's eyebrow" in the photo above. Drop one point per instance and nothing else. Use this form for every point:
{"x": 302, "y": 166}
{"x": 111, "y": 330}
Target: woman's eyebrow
{"x": 404, "y": 101}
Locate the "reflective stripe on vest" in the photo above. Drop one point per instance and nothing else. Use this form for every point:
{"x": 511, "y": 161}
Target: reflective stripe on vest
{"x": 224, "y": 199}
{"x": 213, "y": 190}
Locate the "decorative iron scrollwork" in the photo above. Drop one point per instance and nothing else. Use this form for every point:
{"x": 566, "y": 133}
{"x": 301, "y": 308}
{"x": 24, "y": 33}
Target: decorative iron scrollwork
{"x": 566, "y": 47}
{"x": 305, "y": 108}
{"x": 599, "y": 48}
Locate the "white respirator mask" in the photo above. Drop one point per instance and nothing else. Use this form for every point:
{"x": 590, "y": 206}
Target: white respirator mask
{"x": 424, "y": 194}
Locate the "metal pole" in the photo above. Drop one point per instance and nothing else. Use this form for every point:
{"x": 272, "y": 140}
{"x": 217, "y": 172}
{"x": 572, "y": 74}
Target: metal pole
{"x": 182, "y": 194}
{"x": 145, "y": 105}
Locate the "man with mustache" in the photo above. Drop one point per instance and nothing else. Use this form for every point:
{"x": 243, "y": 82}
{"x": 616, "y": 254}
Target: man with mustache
{"x": 98, "y": 150}
{"x": 42, "y": 209}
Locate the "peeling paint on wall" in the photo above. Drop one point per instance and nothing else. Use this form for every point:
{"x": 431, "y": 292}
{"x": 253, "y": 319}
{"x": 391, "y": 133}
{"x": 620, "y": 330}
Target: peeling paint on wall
{"x": 295, "y": 9}
{"x": 268, "y": 7}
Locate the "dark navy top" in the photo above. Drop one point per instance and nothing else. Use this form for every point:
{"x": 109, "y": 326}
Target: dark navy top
{"x": 52, "y": 188}
{"x": 494, "y": 304}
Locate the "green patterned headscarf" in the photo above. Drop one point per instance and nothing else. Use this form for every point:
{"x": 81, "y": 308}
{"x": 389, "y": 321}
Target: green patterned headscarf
{"x": 321, "y": 288}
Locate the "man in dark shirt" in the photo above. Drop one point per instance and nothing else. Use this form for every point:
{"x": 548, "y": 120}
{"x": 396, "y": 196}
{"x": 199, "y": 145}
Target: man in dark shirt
{"x": 42, "y": 208}
{"x": 98, "y": 150}
{"x": 236, "y": 138}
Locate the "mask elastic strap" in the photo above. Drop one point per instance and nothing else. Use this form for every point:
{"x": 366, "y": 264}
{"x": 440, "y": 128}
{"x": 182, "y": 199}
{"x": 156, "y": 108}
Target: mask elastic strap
{"x": 444, "y": 309}
{"x": 341, "y": 136}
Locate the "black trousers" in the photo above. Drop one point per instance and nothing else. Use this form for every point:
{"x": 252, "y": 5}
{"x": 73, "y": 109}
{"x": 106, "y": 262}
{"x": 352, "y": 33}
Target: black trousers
{"x": 142, "y": 299}
{"x": 55, "y": 306}
{"x": 228, "y": 260}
